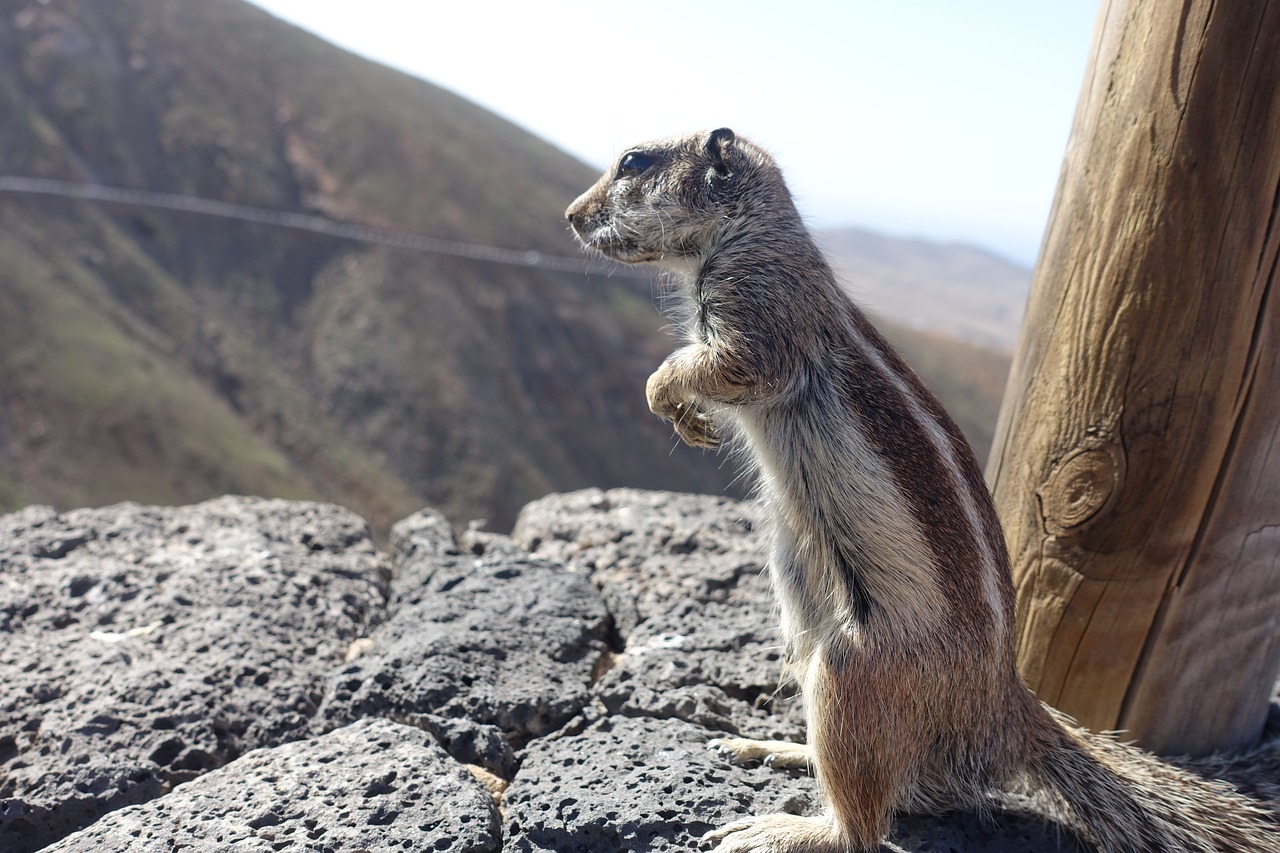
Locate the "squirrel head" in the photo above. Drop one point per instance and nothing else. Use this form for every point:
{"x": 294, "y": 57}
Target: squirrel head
{"x": 664, "y": 201}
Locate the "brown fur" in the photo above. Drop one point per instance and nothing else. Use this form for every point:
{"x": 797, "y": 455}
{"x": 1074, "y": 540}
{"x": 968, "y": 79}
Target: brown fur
{"x": 888, "y": 560}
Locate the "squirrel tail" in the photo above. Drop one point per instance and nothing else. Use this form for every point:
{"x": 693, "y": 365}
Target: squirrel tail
{"x": 1128, "y": 801}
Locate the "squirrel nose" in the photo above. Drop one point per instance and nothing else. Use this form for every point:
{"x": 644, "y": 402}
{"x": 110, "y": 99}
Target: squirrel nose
{"x": 577, "y": 212}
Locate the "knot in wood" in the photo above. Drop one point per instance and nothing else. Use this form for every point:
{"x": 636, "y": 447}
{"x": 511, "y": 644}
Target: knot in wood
{"x": 1079, "y": 489}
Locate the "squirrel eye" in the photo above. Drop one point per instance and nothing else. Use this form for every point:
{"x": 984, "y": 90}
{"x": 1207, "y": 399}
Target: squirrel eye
{"x": 634, "y": 163}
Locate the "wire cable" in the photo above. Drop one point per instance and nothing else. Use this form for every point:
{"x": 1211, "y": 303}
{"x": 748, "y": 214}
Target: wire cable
{"x": 315, "y": 224}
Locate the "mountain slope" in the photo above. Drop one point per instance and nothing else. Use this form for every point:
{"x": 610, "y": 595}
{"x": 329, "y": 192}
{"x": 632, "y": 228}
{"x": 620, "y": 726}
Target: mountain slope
{"x": 959, "y": 291}
{"x": 167, "y": 357}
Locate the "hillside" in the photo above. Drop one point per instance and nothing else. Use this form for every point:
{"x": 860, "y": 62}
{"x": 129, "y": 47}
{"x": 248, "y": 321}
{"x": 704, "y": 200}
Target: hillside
{"x": 167, "y": 357}
{"x": 956, "y": 290}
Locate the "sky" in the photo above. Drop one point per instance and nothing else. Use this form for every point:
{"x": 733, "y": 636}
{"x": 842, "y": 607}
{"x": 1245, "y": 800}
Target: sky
{"x": 939, "y": 119}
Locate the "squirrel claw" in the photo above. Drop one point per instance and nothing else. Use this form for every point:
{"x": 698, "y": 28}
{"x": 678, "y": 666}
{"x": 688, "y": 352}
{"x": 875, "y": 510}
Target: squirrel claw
{"x": 695, "y": 427}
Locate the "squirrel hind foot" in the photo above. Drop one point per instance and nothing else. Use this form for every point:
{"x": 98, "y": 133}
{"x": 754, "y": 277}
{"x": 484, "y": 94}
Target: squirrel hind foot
{"x": 778, "y": 754}
{"x": 780, "y": 833}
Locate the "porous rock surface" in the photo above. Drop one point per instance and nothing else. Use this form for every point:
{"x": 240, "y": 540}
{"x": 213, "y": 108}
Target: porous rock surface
{"x": 144, "y": 646}
{"x": 253, "y": 675}
{"x": 489, "y": 650}
{"x": 373, "y": 785}
{"x": 625, "y": 783}
{"x": 697, "y": 631}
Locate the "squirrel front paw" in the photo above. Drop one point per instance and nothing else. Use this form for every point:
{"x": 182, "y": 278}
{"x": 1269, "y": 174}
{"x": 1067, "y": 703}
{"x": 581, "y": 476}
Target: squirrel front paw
{"x": 695, "y": 427}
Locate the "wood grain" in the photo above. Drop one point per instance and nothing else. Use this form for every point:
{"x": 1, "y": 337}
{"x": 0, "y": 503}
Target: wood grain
{"x": 1137, "y": 457}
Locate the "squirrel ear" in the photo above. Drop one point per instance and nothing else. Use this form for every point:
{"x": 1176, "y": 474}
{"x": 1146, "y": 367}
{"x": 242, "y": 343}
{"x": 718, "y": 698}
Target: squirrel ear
{"x": 718, "y": 142}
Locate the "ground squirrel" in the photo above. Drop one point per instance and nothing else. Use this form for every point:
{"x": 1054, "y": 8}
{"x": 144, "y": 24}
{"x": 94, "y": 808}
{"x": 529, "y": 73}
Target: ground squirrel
{"x": 887, "y": 556}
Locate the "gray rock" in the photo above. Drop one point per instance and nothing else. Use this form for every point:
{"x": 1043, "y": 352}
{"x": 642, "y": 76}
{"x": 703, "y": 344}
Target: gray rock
{"x": 504, "y": 642}
{"x": 372, "y": 786}
{"x": 424, "y": 534}
{"x": 647, "y": 550}
{"x": 144, "y": 646}
{"x": 636, "y": 784}
{"x": 701, "y": 643}
{"x": 485, "y": 543}
{"x": 717, "y": 665}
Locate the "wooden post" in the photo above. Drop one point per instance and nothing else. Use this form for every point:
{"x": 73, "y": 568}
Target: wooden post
{"x": 1137, "y": 458}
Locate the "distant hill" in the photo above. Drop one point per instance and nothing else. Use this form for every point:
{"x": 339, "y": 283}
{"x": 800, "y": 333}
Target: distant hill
{"x": 168, "y": 357}
{"x": 949, "y": 288}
